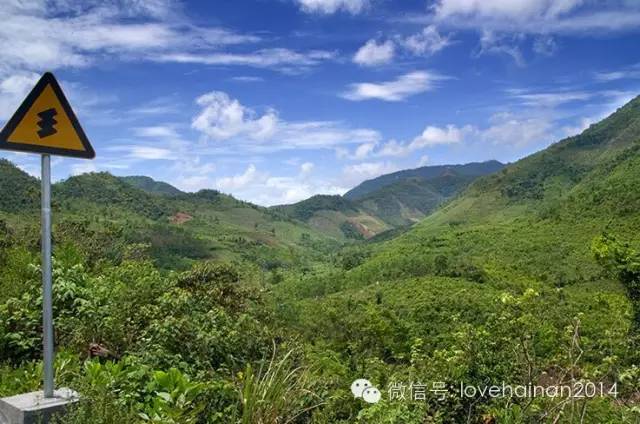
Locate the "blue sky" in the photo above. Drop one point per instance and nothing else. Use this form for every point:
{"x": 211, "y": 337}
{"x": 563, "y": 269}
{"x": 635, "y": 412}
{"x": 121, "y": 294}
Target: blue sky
{"x": 277, "y": 100}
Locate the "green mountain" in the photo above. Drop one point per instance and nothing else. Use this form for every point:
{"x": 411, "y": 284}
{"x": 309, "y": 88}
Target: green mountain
{"x": 527, "y": 277}
{"x": 464, "y": 173}
{"x": 109, "y": 191}
{"x": 530, "y": 275}
{"x": 105, "y": 214}
{"x": 543, "y": 210}
{"x": 150, "y": 185}
{"x": 388, "y": 202}
{"x": 335, "y": 216}
{"x": 18, "y": 190}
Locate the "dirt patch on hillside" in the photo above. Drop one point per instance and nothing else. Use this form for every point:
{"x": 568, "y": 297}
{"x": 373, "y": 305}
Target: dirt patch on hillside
{"x": 361, "y": 228}
{"x": 181, "y": 218}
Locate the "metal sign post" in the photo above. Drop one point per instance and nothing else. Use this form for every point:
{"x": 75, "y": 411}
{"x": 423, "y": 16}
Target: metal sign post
{"x": 47, "y": 285}
{"x": 44, "y": 124}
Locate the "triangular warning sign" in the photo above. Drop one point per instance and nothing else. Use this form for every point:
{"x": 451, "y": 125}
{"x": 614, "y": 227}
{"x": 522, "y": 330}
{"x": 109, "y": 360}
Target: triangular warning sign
{"x": 45, "y": 123}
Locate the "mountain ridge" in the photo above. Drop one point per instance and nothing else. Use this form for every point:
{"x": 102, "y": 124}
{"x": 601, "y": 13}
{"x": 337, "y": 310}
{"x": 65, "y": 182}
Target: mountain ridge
{"x": 387, "y": 202}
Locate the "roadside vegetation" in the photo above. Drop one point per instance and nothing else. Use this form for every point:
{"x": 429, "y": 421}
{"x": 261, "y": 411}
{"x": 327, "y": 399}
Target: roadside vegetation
{"x": 531, "y": 276}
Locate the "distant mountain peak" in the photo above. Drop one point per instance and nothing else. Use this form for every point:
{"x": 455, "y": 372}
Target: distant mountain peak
{"x": 472, "y": 169}
{"x": 152, "y": 186}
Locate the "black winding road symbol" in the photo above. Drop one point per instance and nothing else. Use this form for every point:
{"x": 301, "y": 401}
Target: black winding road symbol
{"x": 47, "y": 122}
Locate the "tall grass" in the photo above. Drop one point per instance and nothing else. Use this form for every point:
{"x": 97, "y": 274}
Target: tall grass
{"x": 277, "y": 393}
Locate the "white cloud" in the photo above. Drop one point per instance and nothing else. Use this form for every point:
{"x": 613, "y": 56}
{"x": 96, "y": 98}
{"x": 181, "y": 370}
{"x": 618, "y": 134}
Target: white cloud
{"x": 332, "y": 6}
{"x": 223, "y": 117}
{"x": 538, "y": 16}
{"x": 373, "y": 54}
{"x": 285, "y": 60}
{"x": 426, "y": 42}
{"x": 511, "y": 9}
{"x": 424, "y": 160}
{"x": 495, "y": 43}
{"x": 394, "y": 91}
{"x": 393, "y": 148}
{"x": 516, "y": 130}
{"x": 629, "y": 72}
{"x": 550, "y": 99}
{"x": 247, "y": 78}
{"x": 433, "y": 136}
{"x": 357, "y": 173}
{"x": 306, "y": 168}
{"x": 13, "y": 90}
{"x": 363, "y": 150}
{"x": 54, "y": 35}
{"x": 150, "y": 153}
{"x": 505, "y": 24}
{"x": 238, "y": 181}
{"x": 545, "y": 45}
{"x": 42, "y": 34}
{"x": 268, "y": 190}
{"x": 430, "y": 137}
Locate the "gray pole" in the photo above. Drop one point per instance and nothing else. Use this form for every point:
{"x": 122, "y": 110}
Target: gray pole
{"x": 47, "y": 289}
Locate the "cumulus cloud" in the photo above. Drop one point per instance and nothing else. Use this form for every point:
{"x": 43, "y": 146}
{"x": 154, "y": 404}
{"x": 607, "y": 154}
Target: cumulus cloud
{"x": 223, "y": 117}
{"x": 373, "y": 54}
{"x": 268, "y": 190}
{"x": 332, "y": 6}
{"x": 238, "y": 181}
{"x": 433, "y": 136}
{"x": 394, "y": 91}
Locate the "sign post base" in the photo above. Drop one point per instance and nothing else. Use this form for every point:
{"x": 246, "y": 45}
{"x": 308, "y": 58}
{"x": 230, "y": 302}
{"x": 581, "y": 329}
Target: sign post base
{"x": 34, "y": 407}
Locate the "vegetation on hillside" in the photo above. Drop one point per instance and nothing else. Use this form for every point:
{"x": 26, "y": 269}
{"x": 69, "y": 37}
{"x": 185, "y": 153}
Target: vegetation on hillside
{"x": 152, "y": 186}
{"x": 529, "y": 277}
{"x": 391, "y": 201}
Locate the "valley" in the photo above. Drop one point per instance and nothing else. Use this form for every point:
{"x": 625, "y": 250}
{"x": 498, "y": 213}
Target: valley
{"x": 523, "y": 273}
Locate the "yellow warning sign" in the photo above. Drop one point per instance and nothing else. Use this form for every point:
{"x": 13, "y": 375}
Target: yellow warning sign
{"x": 45, "y": 123}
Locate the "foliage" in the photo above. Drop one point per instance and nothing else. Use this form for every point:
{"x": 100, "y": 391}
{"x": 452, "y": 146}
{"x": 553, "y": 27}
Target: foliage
{"x": 169, "y": 321}
{"x": 622, "y": 261}
{"x": 277, "y": 392}
{"x": 350, "y": 230}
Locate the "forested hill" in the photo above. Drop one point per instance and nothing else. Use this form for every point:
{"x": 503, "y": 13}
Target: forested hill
{"x": 531, "y": 273}
{"x": 152, "y": 186}
{"x": 107, "y": 214}
{"x": 388, "y": 202}
{"x": 439, "y": 176}
{"x": 529, "y": 276}
{"x": 537, "y": 217}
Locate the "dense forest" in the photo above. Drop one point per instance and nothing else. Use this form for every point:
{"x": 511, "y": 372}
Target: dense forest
{"x": 175, "y": 307}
